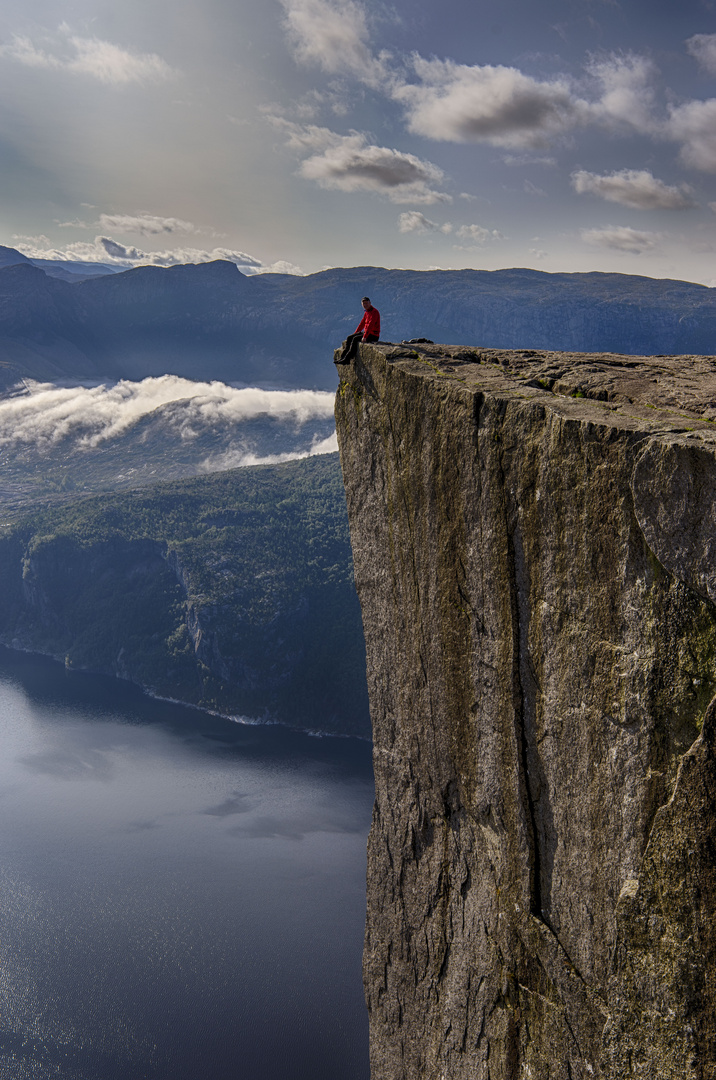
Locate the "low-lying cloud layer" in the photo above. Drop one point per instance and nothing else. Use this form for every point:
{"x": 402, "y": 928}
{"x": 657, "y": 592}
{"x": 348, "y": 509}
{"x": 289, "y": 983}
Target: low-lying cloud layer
{"x": 45, "y": 415}
{"x": 111, "y": 252}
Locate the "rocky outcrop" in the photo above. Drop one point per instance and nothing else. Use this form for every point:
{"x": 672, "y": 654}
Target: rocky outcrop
{"x": 533, "y": 540}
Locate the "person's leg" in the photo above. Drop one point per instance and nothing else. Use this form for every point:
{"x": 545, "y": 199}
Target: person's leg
{"x": 350, "y": 349}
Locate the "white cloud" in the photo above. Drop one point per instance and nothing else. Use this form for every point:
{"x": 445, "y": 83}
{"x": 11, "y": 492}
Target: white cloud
{"x": 115, "y": 250}
{"x": 305, "y": 138}
{"x": 144, "y": 224}
{"x": 703, "y": 48}
{"x": 449, "y": 101}
{"x": 498, "y": 105}
{"x": 694, "y": 126}
{"x": 46, "y": 415}
{"x": 476, "y": 234}
{"x": 112, "y": 253}
{"x": 281, "y": 266}
{"x": 414, "y": 221}
{"x": 40, "y": 242}
{"x": 356, "y": 165}
{"x": 627, "y": 94}
{"x": 113, "y": 65}
{"x": 334, "y": 37}
{"x": 239, "y": 457}
{"x": 635, "y": 188}
{"x": 92, "y": 57}
{"x": 621, "y": 238}
{"x": 351, "y": 163}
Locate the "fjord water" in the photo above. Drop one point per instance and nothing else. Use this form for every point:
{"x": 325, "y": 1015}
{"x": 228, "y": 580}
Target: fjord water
{"x": 181, "y": 897}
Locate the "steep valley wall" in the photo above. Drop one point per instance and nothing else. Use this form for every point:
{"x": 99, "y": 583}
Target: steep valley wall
{"x": 232, "y": 591}
{"x": 535, "y": 554}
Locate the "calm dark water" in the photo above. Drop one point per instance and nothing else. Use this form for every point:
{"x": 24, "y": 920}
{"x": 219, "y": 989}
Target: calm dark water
{"x": 181, "y": 898}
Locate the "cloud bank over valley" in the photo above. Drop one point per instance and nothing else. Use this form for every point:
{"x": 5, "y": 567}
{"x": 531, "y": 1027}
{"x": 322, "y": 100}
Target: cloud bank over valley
{"x": 132, "y": 433}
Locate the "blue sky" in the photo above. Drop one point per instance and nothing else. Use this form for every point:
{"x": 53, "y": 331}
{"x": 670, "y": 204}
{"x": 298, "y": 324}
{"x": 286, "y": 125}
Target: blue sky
{"x": 565, "y": 135}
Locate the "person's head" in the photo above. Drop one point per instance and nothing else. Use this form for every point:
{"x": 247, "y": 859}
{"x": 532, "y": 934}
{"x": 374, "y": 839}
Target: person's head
{"x": 366, "y": 303}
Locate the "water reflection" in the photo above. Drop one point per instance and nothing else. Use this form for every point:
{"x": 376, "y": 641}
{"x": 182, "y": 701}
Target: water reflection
{"x": 180, "y": 897}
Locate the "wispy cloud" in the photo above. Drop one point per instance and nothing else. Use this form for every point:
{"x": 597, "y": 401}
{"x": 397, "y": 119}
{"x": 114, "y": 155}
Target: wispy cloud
{"x": 91, "y": 57}
{"x": 144, "y": 224}
{"x": 334, "y": 37}
{"x": 413, "y": 221}
{"x": 240, "y": 457}
{"x": 622, "y": 238}
{"x": 46, "y": 415}
{"x": 473, "y": 235}
{"x": 703, "y": 48}
{"x": 531, "y": 189}
{"x": 626, "y": 100}
{"x": 141, "y": 223}
{"x": 636, "y": 188}
{"x": 476, "y": 234}
{"x": 693, "y": 124}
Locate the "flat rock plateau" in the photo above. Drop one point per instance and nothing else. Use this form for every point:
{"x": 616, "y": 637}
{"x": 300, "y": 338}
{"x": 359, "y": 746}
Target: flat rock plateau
{"x": 534, "y": 541}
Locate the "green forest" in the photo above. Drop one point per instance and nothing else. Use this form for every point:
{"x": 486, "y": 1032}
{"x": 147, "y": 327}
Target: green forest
{"x": 232, "y": 591}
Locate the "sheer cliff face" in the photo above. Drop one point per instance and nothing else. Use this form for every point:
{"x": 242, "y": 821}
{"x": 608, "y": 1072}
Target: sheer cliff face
{"x": 533, "y": 538}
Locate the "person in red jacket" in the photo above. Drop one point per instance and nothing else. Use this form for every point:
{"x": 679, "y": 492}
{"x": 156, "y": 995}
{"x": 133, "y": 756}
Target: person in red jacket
{"x": 368, "y": 329}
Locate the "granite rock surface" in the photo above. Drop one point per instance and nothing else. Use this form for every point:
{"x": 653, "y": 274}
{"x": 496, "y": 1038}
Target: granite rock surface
{"x": 533, "y": 538}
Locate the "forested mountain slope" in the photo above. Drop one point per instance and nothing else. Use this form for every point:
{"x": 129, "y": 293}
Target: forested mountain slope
{"x": 232, "y": 591}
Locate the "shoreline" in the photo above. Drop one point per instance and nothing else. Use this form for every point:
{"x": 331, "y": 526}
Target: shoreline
{"x": 244, "y": 721}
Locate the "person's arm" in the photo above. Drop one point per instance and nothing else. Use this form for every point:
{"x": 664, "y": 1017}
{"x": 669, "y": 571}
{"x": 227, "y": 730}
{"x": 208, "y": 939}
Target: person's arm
{"x": 361, "y": 324}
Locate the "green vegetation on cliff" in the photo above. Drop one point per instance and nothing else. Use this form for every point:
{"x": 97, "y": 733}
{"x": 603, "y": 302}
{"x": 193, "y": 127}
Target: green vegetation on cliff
{"x": 232, "y": 591}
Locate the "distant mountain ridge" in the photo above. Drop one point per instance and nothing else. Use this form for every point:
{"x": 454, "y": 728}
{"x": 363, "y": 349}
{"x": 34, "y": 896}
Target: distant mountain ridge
{"x": 64, "y": 269}
{"x": 209, "y": 321}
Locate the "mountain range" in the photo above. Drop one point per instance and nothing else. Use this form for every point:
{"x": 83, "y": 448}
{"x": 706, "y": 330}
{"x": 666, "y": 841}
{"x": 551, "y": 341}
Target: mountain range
{"x": 209, "y": 321}
{"x": 64, "y": 269}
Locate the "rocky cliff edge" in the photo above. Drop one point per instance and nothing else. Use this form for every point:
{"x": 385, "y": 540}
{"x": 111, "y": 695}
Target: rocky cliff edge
{"x": 534, "y": 541}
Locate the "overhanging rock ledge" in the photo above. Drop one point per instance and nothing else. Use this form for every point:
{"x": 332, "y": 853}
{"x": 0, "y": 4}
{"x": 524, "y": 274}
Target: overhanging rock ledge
{"x": 534, "y": 540}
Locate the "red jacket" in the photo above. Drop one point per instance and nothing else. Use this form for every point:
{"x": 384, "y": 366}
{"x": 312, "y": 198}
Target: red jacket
{"x": 369, "y": 324}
